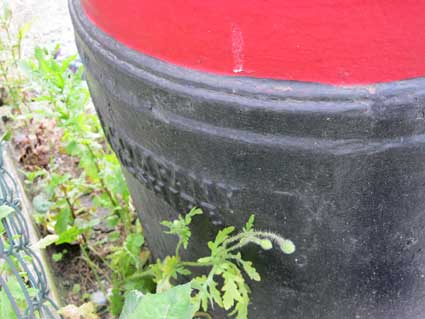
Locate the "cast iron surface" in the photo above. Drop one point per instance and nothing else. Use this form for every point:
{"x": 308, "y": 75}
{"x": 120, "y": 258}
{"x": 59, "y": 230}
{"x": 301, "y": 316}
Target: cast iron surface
{"x": 339, "y": 170}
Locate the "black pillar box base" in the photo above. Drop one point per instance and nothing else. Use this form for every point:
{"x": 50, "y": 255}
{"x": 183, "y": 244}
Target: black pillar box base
{"x": 339, "y": 170}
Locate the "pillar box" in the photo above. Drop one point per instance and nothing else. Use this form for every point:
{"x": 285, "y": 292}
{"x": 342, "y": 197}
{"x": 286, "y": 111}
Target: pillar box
{"x": 308, "y": 113}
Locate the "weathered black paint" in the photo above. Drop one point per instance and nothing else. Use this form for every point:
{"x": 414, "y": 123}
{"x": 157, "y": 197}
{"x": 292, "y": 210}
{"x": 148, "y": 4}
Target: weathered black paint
{"x": 340, "y": 171}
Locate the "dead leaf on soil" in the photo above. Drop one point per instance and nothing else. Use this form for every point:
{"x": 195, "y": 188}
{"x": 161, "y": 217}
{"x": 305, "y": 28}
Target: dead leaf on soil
{"x": 85, "y": 311}
{"x": 37, "y": 144}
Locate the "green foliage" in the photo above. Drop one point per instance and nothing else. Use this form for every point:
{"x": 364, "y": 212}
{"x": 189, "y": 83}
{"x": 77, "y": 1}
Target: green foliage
{"x": 14, "y": 275}
{"x": 6, "y": 308}
{"x": 68, "y": 201}
{"x": 62, "y": 88}
{"x": 31, "y": 177}
{"x": 57, "y": 257}
{"x": 224, "y": 285}
{"x": 127, "y": 261}
{"x": 6, "y": 136}
{"x": 175, "y": 303}
{"x": 67, "y": 96}
{"x": 180, "y": 227}
{"x": 67, "y": 196}
{"x": 11, "y": 81}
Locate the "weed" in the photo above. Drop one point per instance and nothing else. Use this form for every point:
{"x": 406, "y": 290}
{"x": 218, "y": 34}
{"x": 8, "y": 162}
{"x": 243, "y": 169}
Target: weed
{"x": 98, "y": 176}
{"x": 224, "y": 285}
{"x": 12, "y": 82}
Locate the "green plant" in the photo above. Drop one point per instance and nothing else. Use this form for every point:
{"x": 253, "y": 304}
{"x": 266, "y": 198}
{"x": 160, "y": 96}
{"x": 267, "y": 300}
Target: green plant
{"x": 223, "y": 285}
{"x": 68, "y": 96}
{"x": 127, "y": 261}
{"x": 64, "y": 97}
{"x": 68, "y": 197}
{"x": 175, "y": 303}
{"x": 6, "y": 308}
{"x": 12, "y": 82}
{"x": 79, "y": 176}
{"x": 13, "y": 274}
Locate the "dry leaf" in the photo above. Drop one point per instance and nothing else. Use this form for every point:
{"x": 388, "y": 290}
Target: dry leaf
{"x": 85, "y": 311}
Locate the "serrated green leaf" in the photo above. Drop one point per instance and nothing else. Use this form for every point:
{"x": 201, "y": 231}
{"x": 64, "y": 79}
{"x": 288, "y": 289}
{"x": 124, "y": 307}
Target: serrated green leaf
{"x": 223, "y": 234}
{"x": 231, "y": 291}
{"x": 250, "y": 270}
{"x": 193, "y": 212}
{"x": 250, "y": 224}
{"x": 215, "y": 294}
{"x": 180, "y": 226}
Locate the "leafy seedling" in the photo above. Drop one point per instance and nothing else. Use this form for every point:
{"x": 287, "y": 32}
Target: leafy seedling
{"x": 224, "y": 285}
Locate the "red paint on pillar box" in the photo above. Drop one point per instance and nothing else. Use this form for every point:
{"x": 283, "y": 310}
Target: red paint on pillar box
{"x": 327, "y": 41}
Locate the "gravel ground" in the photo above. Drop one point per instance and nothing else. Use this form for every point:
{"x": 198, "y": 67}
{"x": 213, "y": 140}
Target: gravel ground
{"x": 50, "y": 24}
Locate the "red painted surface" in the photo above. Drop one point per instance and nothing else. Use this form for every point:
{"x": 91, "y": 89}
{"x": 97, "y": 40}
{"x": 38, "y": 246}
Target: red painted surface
{"x": 329, "y": 41}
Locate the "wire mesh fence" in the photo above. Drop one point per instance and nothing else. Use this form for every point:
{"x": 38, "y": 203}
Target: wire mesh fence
{"x": 24, "y": 291}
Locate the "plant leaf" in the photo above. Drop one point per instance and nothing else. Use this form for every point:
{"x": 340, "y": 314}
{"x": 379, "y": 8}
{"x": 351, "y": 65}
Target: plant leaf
{"x": 223, "y": 234}
{"x": 46, "y": 241}
{"x": 250, "y": 224}
{"x": 86, "y": 311}
{"x": 5, "y": 211}
{"x": 6, "y": 136}
{"x": 174, "y": 303}
{"x": 6, "y": 308}
{"x": 69, "y": 236}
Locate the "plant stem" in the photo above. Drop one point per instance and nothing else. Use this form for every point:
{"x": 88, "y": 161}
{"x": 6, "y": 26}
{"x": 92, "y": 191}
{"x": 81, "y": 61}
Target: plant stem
{"x": 94, "y": 268}
{"x": 236, "y": 238}
{"x": 143, "y": 274}
{"x": 102, "y": 182}
{"x": 179, "y": 244}
{"x": 276, "y": 238}
{"x": 73, "y": 211}
{"x": 195, "y": 264}
{"x": 123, "y": 213}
